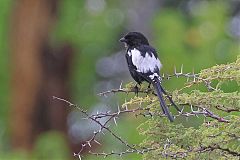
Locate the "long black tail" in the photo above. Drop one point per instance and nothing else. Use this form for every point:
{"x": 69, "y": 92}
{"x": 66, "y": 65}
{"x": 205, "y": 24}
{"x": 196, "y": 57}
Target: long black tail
{"x": 158, "y": 88}
{"x": 170, "y": 99}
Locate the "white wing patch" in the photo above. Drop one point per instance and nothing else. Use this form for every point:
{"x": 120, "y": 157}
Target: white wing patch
{"x": 129, "y": 53}
{"x": 144, "y": 64}
{"x": 155, "y": 75}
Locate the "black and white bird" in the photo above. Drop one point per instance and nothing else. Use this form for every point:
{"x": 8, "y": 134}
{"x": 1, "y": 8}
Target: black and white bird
{"x": 144, "y": 65}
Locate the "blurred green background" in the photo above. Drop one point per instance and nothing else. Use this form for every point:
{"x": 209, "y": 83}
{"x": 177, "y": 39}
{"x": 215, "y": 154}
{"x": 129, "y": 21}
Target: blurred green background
{"x": 79, "y": 56}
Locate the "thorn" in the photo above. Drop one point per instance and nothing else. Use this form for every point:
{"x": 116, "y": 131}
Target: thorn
{"x": 168, "y": 77}
{"x": 194, "y": 78}
{"x": 88, "y": 142}
{"x": 198, "y": 110}
{"x": 126, "y": 108}
{"x": 182, "y": 110}
{"x": 119, "y": 110}
{"x": 79, "y": 156}
{"x": 186, "y": 75}
{"x": 97, "y": 142}
{"x": 114, "y": 119}
{"x": 181, "y": 69}
{"x": 120, "y": 87}
{"x": 192, "y": 108}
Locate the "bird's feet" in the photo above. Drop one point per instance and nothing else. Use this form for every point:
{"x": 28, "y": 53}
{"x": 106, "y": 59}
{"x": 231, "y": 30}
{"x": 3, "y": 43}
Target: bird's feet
{"x": 136, "y": 89}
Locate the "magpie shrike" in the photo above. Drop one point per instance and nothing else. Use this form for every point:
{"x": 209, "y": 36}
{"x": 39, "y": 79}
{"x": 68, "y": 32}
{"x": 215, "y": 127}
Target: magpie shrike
{"x": 144, "y": 65}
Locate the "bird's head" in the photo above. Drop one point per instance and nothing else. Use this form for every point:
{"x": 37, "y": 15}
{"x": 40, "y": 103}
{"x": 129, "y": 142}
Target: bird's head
{"x": 133, "y": 39}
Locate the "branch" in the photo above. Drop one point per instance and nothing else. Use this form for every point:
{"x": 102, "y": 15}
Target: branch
{"x": 227, "y": 110}
{"x": 124, "y": 90}
{"x": 201, "y": 149}
{"x": 110, "y": 116}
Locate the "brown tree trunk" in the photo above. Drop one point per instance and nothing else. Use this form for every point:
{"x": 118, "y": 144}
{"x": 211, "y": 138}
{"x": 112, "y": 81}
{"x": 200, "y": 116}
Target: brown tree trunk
{"x": 36, "y": 73}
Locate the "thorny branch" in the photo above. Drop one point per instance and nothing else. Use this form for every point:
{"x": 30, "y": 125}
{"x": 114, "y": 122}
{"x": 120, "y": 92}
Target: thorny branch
{"x": 201, "y": 149}
{"x": 192, "y": 78}
{"x": 114, "y": 115}
{"x": 200, "y": 111}
{"x": 130, "y": 148}
{"x": 124, "y": 90}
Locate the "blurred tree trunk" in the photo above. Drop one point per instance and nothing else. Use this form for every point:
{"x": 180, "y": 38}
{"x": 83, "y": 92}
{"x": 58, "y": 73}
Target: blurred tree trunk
{"x": 38, "y": 73}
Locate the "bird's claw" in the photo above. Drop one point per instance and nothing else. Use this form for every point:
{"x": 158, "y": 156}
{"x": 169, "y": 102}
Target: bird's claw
{"x": 136, "y": 90}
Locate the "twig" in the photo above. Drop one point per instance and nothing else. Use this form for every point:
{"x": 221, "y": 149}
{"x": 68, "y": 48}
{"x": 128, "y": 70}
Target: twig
{"x": 102, "y": 126}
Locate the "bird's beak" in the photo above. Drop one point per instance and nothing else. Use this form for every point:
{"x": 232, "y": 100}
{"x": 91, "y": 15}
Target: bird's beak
{"x": 122, "y": 40}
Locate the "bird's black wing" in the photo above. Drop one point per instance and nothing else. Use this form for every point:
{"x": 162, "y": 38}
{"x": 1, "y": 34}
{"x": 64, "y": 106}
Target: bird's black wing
{"x": 147, "y": 65}
{"x": 143, "y": 64}
{"x": 149, "y": 62}
{"x": 147, "y": 49}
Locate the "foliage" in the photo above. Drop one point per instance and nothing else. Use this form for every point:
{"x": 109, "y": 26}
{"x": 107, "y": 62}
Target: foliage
{"x": 219, "y": 74}
{"x": 213, "y": 139}
{"x": 216, "y": 137}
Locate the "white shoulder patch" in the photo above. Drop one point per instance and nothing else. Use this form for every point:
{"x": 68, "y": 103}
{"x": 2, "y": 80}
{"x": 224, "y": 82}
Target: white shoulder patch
{"x": 129, "y": 53}
{"x": 145, "y": 64}
{"x": 155, "y": 75}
